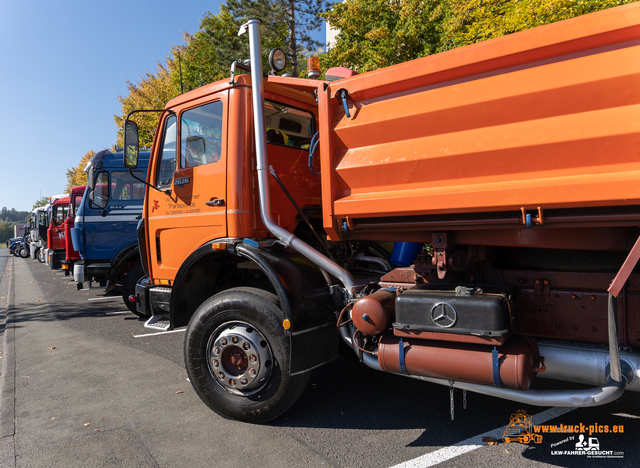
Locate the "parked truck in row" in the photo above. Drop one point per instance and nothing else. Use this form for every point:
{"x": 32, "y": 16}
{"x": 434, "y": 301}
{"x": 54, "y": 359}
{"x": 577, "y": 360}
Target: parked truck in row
{"x": 38, "y": 227}
{"x": 71, "y": 254}
{"x": 510, "y": 168}
{"x": 104, "y": 231}
{"x": 55, "y": 252}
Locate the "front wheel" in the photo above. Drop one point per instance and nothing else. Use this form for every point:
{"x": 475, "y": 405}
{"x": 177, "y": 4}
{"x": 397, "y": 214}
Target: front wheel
{"x": 24, "y": 251}
{"x": 129, "y": 288}
{"x": 41, "y": 255}
{"x": 237, "y": 356}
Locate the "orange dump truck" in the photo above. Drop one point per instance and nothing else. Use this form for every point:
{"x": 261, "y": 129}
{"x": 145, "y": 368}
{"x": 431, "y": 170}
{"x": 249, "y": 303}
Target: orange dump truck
{"x": 506, "y": 174}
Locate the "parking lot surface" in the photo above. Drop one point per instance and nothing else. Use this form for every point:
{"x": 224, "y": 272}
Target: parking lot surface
{"x": 85, "y": 384}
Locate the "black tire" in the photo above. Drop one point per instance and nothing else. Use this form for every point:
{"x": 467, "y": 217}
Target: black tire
{"x": 253, "y": 317}
{"x": 129, "y": 288}
{"x": 24, "y": 251}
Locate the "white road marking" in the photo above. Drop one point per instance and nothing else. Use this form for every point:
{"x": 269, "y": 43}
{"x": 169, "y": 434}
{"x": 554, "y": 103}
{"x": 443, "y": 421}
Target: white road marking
{"x": 117, "y": 313}
{"x": 160, "y": 333}
{"x": 104, "y": 298}
{"x": 625, "y": 415}
{"x": 447, "y": 453}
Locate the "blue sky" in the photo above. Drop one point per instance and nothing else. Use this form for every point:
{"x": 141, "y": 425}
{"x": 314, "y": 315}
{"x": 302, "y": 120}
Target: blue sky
{"x": 63, "y": 65}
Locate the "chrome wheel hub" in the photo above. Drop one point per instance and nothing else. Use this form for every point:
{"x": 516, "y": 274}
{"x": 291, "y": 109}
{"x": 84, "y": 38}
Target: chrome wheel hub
{"x": 239, "y": 358}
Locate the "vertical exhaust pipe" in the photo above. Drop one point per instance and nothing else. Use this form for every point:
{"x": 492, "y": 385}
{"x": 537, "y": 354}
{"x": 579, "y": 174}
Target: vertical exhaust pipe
{"x": 257, "y": 86}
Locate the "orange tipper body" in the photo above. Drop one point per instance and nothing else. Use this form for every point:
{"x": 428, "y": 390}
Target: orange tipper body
{"x": 470, "y": 219}
{"x": 548, "y": 117}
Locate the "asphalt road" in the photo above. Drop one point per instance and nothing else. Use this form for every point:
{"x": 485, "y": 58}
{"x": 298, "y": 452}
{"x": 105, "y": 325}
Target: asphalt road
{"x": 349, "y": 416}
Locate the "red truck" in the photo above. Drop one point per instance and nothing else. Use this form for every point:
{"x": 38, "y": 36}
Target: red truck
{"x": 55, "y": 253}
{"x": 71, "y": 255}
{"x": 505, "y": 172}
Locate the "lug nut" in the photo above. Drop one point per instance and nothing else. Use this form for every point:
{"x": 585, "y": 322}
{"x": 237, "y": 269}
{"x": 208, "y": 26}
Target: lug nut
{"x": 246, "y": 346}
{"x": 223, "y": 342}
{"x": 244, "y": 381}
{"x": 235, "y": 340}
{"x": 253, "y": 358}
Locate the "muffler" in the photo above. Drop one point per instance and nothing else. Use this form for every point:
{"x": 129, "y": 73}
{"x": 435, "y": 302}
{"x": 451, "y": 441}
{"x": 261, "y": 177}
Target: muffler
{"x": 512, "y": 365}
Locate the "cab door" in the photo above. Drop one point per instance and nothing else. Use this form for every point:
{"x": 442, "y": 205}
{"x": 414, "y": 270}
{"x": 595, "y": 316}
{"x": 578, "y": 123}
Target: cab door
{"x": 191, "y": 162}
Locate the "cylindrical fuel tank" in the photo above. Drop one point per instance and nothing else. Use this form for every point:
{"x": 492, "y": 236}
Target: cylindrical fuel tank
{"x": 461, "y": 362}
{"x": 373, "y": 314}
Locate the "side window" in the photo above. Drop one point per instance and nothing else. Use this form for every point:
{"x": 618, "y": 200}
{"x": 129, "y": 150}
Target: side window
{"x": 201, "y": 135}
{"x": 167, "y": 163}
{"x": 76, "y": 204}
{"x": 288, "y": 126}
{"x": 125, "y": 188}
{"x": 58, "y": 215}
{"x": 101, "y": 191}
{"x": 43, "y": 218}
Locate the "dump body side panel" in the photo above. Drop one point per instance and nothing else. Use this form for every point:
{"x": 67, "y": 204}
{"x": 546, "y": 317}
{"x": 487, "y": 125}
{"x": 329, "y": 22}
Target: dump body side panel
{"x": 545, "y": 118}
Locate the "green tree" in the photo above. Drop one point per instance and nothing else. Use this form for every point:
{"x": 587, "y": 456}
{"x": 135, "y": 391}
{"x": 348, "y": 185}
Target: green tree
{"x": 287, "y": 22}
{"x": 206, "y": 55}
{"x": 152, "y": 92}
{"x": 469, "y": 21}
{"x": 76, "y": 175}
{"x": 42, "y": 202}
{"x": 6, "y": 231}
{"x": 379, "y": 33}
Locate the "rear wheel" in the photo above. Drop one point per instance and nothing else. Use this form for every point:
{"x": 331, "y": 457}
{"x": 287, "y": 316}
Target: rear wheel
{"x": 237, "y": 356}
{"x": 129, "y": 288}
{"x": 41, "y": 255}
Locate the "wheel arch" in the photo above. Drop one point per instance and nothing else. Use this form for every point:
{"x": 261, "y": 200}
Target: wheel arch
{"x": 304, "y": 296}
{"x": 123, "y": 257}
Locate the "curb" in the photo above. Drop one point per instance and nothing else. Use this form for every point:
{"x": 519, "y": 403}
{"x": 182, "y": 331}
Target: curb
{"x": 7, "y": 378}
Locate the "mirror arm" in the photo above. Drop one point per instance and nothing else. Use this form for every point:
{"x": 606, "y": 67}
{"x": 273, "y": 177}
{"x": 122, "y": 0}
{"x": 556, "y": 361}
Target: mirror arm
{"x": 147, "y": 110}
{"x": 166, "y": 192}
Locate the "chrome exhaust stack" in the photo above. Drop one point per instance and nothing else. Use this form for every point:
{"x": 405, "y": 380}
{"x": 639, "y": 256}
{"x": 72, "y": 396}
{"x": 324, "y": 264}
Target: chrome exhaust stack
{"x": 257, "y": 86}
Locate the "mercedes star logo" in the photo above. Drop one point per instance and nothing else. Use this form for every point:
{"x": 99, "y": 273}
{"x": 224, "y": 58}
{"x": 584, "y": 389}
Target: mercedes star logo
{"x": 443, "y": 315}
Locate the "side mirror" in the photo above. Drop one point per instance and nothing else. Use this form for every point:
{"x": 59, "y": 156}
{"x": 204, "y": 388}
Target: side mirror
{"x": 91, "y": 183}
{"x": 131, "y": 145}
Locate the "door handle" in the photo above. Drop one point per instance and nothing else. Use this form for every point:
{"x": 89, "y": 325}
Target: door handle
{"x": 216, "y": 202}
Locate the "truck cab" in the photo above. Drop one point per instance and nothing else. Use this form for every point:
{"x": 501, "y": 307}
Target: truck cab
{"x": 38, "y": 225}
{"x": 71, "y": 255}
{"x": 55, "y": 252}
{"x": 104, "y": 231}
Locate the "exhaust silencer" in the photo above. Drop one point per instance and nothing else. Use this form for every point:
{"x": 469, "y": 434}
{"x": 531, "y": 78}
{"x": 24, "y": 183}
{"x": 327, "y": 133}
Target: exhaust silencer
{"x": 512, "y": 365}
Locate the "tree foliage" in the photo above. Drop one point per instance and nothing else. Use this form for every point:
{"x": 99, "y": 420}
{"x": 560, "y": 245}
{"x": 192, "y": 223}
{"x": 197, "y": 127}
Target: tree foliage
{"x": 470, "y": 21}
{"x": 284, "y": 22}
{"x": 13, "y": 216}
{"x": 152, "y": 92}
{"x": 379, "y": 33}
{"x": 76, "y": 175}
{"x": 42, "y": 202}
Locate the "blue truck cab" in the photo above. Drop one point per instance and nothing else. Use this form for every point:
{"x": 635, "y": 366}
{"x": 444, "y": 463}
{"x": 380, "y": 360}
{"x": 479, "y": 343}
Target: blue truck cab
{"x": 104, "y": 232}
